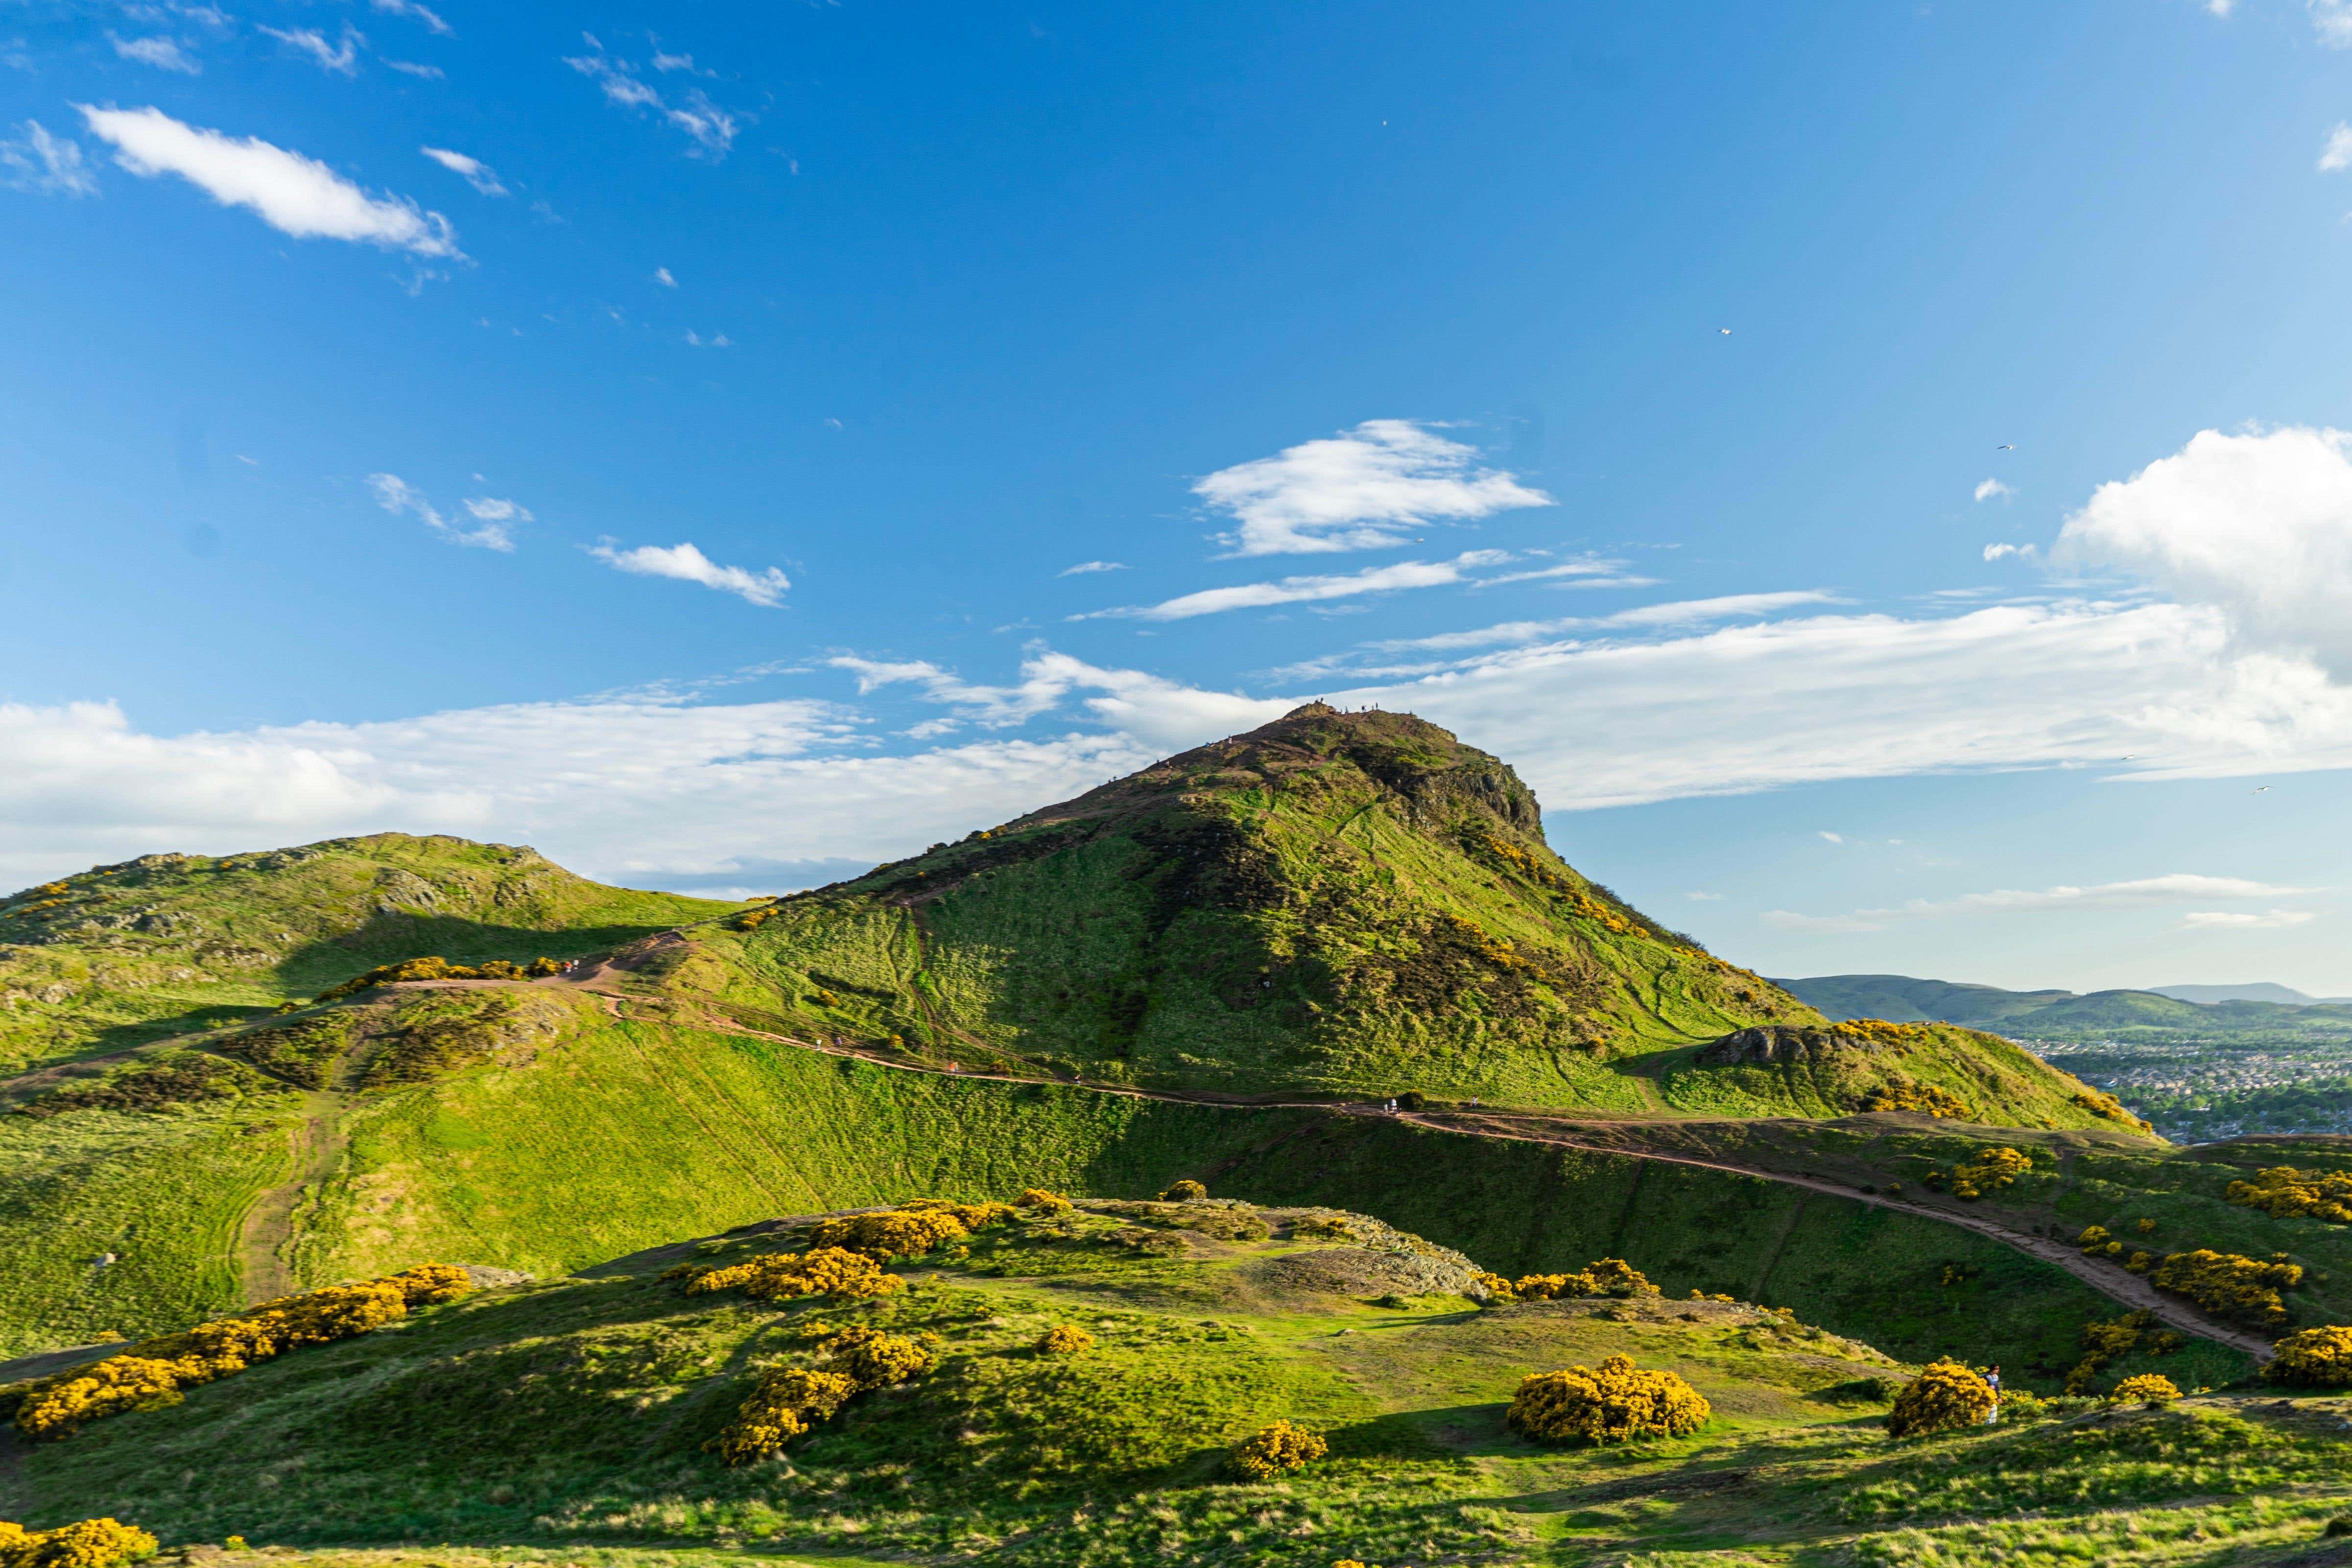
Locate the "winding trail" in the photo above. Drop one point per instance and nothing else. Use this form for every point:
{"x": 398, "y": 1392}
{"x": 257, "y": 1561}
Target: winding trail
{"x": 268, "y": 1234}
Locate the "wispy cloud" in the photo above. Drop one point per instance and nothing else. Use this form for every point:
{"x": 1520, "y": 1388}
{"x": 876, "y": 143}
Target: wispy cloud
{"x": 718, "y": 341}
{"x": 45, "y": 164}
{"x": 341, "y": 57}
{"x": 2142, "y": 892}
{"x": 1675, "y": 613}
{"x": 2332, "y": 19}
{"x": 1826, "y": 836}
{"x": 411, "y": 67}
{"x": 493, "y": 520}
{"x": 712, "y": 128}
{"x": 1083, "y": 567}
{"x": 1994, "y": 490}
{"x": 415, "y": 13}
{"x": 1361, "y": 489}
{"x": 2336, "y": 156}
{"x": 2221, "y": 920}
{"x": 2002, "y": 551}
{"x": 1307, "y": 590}
{"x": 687, "y": 565}
{"x": 476, "y": 173}
{"x": 163, "y": 54}
{"x": 662, "y": 277}
{"x": 1162, "y": 711}
{"x": 292, "y": 193}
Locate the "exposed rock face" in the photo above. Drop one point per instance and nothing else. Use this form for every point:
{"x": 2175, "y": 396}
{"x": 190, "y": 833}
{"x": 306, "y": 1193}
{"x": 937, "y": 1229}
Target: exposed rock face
{"x": 1772, "y": 1044}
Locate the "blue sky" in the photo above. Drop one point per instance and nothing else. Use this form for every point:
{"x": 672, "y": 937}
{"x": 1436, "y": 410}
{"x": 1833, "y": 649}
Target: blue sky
{"x": 1877, "y": 470}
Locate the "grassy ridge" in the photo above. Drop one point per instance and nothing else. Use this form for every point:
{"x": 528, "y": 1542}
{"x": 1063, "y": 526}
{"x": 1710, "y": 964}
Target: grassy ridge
{"x": 571, "y": 1418}
{"x": 120, "y": 956}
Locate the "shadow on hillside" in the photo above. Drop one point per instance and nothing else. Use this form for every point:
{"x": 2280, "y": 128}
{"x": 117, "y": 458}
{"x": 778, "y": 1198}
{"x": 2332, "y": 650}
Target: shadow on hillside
{"x": 388, "y": 939}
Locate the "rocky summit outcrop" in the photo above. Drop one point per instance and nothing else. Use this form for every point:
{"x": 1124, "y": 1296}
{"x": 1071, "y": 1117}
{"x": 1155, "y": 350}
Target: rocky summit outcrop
{"x": 1767, "y": 1045}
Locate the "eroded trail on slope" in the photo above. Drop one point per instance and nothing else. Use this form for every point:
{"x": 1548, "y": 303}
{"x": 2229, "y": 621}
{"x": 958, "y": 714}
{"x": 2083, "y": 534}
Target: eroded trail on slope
{"x": 2129, "y": 1289}
{"x": 265, "y": 1239}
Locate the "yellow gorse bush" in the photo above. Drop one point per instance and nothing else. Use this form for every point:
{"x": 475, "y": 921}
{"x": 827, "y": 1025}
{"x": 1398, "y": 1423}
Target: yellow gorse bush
{"x": 1187, "y": 1191}
{"x": 91, "y": 1544}
{"x": 1615, "y": 1402}
{"x": 2316, "y": 1358}
{"x": 2283, "y": 1192}
{"x": 910, "y": 1229}
{"x": 1912, "y": 1095}
{"x": 436, "y": 968}
{"x": 1944, "y": 1397}
{"x": 2148, "y": 1388}
{"x": 1603, "y": 1277}
{"x": 1988, "y": 1170}
{"x": 1042, "y": 1201}
{"x": 2103, "y": 1341}
{"x": 1272, "y": 1450}
{"x": 2098, "y": 1103}
{"x": 787, "y": 1401}
{"x": 781, "y": 1275}
{"x": 2229, "y": 1285}
{"x": 151, "y": 1373}
{"x": 1066, "y": 1338}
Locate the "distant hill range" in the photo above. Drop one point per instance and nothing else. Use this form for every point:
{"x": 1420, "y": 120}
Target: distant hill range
{"x": 2184, "y": 1010}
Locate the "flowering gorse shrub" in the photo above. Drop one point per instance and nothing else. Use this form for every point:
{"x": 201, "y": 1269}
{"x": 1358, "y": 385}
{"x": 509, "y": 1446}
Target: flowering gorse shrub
{"x": 1909, "y": 1094}
{"x": 1187, "y": 1191}
{"x": 91, "y": 1544}
{"x": 2098, "y": 1103}
{"x": 2229, "y": 1285}
{"x": 2148, "y": 1388}
{"x": 1066, "y": 1338}
{"x": 436, "y": 968}
{"x": 1615, "y": 1402}
{"x": 1944, "y": 1397}
{"x": 2103, "y": 1343}
{"x": 781, "y": 1275}
{"x": 787, "y": 1401}
{"x": 151, "y": 1374}
{"x": 873, "y": 1358}
{"x": 1603, "y": 1277}
{"x": 2284, "y": 1192}
{"x": 910, "y": 1229}
{"x": 1989, "y": 1170}
{"x": 1042, "y": 1202}
{"x": 2316, "y": 1358}
{"x": 1272, "y": 1450}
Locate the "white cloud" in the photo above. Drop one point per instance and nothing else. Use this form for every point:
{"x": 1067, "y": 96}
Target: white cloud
{"x": 2338, "y": 154}
{"x": 2332, "y": 19}
{"x": 668, "y": 63}
{"x": 2272, "y": 919}
{"x": 712, "y": 128}
{"x": 2258, "y": 525}
{"x": 475, "y": 172}
{"x": 1990, "y": 490}
{"x": 493, "y": 518}
{"x": 1675, "y": 613}
{"x": 1083, "y": 567}
{"x": 697, "y": 339}
{"x": 1827, "y": 836}
{"x": 662, "y": 277}
{"x": 2142, "y": 892}
{"x": 2220, "y": 7}
{"x": 1862, "y": 696}
{"x": 1360, "y": 490}
{"x": 2002, "y": 551}
{"x": 163, "y": 54}
{"x": 292, "y": 193}
{"x": 415, "y": 13}
{"x": 688, "y": 564}
{"x": 1703, "y": 898}
{"x": 45, "y": 164}
{"x": 410, "y": 67}
{"x": 342, "y": 59}
{"x": 1309, "y": 590}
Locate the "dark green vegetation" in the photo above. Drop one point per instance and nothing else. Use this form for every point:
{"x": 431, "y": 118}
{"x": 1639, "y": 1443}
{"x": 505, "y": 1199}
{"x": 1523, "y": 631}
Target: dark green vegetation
{"x": 166, "y": 944}
{"x": 569, "y": 1418}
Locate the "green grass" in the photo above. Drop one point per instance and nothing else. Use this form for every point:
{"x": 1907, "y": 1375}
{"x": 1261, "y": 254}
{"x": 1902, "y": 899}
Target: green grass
{"x": 169, "y": 943}
{"x": 565, "y": 1422}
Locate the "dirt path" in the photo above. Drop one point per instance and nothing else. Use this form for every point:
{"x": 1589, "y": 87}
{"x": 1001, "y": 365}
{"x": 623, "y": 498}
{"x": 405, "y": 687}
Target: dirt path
{"x": 2106, "y": 1278}
{"x": 268, "y": 1234}
{"x": 2129, "y": 1289}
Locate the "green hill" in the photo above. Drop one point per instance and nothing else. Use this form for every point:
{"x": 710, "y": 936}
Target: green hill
{"x": 572, "y": 1421}
{"x": 122, "y": 954}
{"x": 2145, "y": 1015}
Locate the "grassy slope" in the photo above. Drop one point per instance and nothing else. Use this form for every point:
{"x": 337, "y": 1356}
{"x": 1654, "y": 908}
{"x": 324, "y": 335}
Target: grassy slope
{"x": 1337, "y": 903}
{"x": 623, "y": 1134}
{"x": 571, "y": 1417}
{"x": 123, "y": 955}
